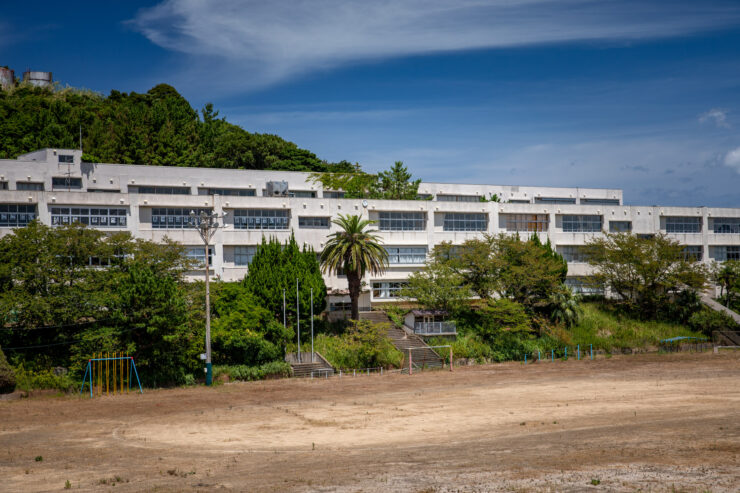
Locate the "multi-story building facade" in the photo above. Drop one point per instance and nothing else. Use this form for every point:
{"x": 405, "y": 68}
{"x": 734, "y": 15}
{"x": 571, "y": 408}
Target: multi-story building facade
{"x": 154, "y": 202}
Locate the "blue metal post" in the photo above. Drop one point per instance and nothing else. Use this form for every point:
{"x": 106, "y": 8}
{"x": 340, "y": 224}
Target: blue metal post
{"x": 137, "y": 375}
{"x": 552, "y": 355}
{"x": 592, "y": 351}
{"x": 84, "y": 379}
{"x": 566, "y": 352}
{"x": 525, "y": 358}
{"x": 539, "y": 356}
{"x": 579, "y": 352}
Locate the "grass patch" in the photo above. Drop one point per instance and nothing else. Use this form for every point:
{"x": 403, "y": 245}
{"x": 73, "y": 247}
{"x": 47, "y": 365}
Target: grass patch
{"x": 247, "y": 373}
{"x": 606, "y": 328}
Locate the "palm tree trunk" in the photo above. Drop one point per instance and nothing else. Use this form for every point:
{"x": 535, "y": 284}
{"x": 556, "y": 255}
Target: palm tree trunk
{"x": 353, "y": 282}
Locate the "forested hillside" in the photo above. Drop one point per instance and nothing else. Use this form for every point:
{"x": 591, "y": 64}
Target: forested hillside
{"x": 157, "y": 128}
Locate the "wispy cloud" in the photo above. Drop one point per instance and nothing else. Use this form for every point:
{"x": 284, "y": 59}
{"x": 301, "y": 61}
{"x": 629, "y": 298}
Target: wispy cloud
{"x": 732, "y": 159}
{"x": 267, "y": 42}
{"x": 716, "y": 116}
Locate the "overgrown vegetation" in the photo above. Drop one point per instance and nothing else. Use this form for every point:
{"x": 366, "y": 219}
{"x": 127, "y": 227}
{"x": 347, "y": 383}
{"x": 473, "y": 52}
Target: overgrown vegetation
{"x": 7, "y": 375}
{"x": 394, "y": 184}
{"x": 157, "y": 128}
{"x": 362, "y": 345}
{"x": 273, "y": 369}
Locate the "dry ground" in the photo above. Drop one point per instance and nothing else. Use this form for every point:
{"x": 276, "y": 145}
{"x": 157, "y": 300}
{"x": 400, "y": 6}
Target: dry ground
{"x": 649, "y": 422}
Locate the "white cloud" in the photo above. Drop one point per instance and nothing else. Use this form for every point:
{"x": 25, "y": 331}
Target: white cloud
{"x": 717, "y": 116}
{"x": 253, "y": 43}
{"x": 732, "y": 159}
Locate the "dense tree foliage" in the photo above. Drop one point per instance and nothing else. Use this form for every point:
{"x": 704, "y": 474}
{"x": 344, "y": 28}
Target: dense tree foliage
{"x": 157, "y": 128}
{"x": 394, "y": 184}
{"x": 437, "y": 287}
{"x": 277, "y": 267}
{"x": 727, "y": 276}
{"x": 643, "y": 272}
{"x": 71, "y": 291}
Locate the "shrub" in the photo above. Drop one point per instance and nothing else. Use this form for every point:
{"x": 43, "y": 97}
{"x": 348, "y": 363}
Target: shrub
{"x": 248, "y": 373}
{"x": 44, "y": 380}
{"x": 501, "y": 316}
{"x": 364, "y": 345}
{"x": 708, "y": 320}
{"x": 7, "y": 375}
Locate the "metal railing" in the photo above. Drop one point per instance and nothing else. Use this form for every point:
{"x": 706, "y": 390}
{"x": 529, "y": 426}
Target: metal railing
{"x": 448, "y": 327}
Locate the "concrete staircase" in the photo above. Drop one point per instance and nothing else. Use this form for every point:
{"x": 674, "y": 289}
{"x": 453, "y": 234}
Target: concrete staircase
{"x": 707, "y": 299}
{"x": 304, "y": 368}
{"x": 422, "y": 356}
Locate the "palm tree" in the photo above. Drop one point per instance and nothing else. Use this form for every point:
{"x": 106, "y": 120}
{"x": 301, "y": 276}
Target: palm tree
{"x": 565, "y": 307}
{"x": 355, "y": 251}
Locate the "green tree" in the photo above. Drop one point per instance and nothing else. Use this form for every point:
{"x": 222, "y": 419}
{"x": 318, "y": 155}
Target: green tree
{"x": 564, "y": 307}
{"x": 355, "y": 251}
{"x": 727, "y": 275}
{"x": 277, "y": 267}
{"x": 643, "y": 271}
{"x": 7, "y": 375}
{"x": 396, "y": 183}
{"x": 437, "y": 287}
{"x": 499, "y": 316}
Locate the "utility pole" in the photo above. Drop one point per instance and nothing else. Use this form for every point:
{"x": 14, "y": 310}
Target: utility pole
{"x": 298, "y": 318}
{"x": 312, "y": 357}
{"x": 207, "y": 225}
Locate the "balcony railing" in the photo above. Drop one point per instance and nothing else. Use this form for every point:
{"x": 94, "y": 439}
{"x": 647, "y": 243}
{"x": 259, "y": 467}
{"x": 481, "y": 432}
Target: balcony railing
{"x": 432, "y": 328}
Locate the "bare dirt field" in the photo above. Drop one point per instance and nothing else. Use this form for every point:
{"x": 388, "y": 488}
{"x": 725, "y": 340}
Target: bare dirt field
{"x": 643, "y": 422}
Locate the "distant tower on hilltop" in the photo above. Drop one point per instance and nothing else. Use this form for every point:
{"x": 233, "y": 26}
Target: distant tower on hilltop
{"x": 38, "y": 79}
{"x": 7, "y": 77}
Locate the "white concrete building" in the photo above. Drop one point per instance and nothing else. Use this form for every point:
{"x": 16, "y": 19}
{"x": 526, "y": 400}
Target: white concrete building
{"x": 152, "y": 202}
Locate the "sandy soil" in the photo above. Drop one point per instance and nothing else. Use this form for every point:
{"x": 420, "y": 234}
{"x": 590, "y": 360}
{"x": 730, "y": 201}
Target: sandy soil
{"x": 649, "y": 422}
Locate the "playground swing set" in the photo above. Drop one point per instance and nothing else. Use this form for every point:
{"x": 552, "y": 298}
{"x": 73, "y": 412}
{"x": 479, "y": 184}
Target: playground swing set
{"x": 110, "y": 373}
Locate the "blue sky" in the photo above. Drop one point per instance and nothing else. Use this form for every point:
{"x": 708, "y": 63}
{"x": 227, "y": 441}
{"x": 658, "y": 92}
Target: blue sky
{"x": 638, "y": 95}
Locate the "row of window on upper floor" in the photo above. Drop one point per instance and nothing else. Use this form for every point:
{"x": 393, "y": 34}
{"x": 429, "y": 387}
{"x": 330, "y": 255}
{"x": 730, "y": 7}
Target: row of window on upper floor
{"x": 75, "y": 183}
{"x": 279, "y": 219}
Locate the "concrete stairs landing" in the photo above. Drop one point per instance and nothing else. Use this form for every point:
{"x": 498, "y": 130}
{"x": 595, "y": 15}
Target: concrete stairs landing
{"x": 305, "y": 368}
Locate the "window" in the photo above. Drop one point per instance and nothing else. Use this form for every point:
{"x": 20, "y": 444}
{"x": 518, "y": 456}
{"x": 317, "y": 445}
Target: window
{"x": 243, "y": 255}
{"x": 599, "y": 201}
{"x": 526, "y": 222}
{"x": 584, "y": 285}
{"x": 198, "y": 253}
{"x": 620, "y": 226}
{"x": 554, "y": 200}
{"x": 461, "y": 221}
{"x": 16, "y": 215}
{"x": 238, "y": 192}
{"x": 340, "y": 306}
{"x": 329, "y": 194}
{"x": 160, "y": 190}
{"x": 573, "y": 253}
{"x": 3, "y": 185}
{"x": 693, "y": 252}
{"x": 387, "y": 289}
{"x": 174, "y": 217}
{"x": 520, "y": 201}
{"x": 27, "y": 185}
{"x": 62, "y": 182}
{"x": 458, "y": 198}
{"x": 724, "y": 225}
{"x": 312, "y": 222}
{"x": 406, "y": 255}
{"x": 103, "y": 190}
{"x": 682, "y": 224}
{"x": 302, "y": 194}
{"x": 424, "y": 196}
{"x": 105, "y": 217}
{"x": 66, "y": 158}
{"x": 581, "y": 224}
{"x": 645, "y": 236}
{"x": 261, "y": 218}
{"x": 402, "y": 221}
{"x": 723, "y": 253}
